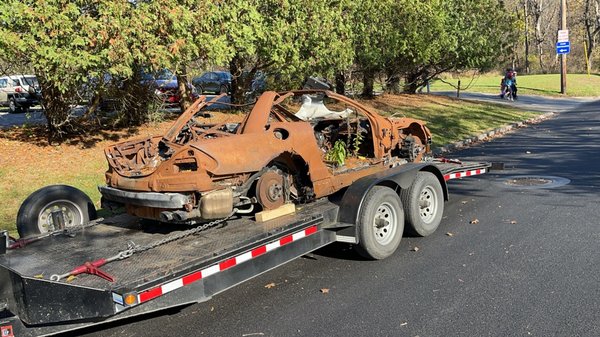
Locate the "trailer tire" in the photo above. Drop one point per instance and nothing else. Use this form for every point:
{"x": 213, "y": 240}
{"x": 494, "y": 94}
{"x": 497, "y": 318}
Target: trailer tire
{"x": 380, "y": 223}
{"x": 423, "y": 204}
{"x": 35, "y": 213}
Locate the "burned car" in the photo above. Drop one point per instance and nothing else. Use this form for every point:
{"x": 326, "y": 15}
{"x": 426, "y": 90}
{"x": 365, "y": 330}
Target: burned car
{"x": 291, "y": 147}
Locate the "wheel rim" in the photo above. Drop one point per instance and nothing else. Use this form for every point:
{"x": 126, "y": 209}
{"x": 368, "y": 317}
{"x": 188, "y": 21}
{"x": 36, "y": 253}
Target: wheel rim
{"x": 71, "y": 213}
{"x": 428, "y": 204}
{"x": 270, "y": 190}
{"x": 385, "y": 223}
{"x": 11, "y": 105}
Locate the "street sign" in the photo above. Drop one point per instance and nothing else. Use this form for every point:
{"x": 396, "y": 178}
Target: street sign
{"x": 563, "y": 35}
{"x": 563, "y": 44}
{"x": 563, "y": 50}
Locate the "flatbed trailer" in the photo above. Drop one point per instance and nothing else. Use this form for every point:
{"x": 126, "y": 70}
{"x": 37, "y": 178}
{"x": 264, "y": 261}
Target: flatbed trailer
{"x": 189, "y": 270}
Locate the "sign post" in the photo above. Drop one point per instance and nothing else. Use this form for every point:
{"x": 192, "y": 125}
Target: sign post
{"x": 563, "y": 50}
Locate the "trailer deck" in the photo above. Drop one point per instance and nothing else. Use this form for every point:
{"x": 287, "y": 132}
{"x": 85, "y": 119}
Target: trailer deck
{"x": 197, "y": 266}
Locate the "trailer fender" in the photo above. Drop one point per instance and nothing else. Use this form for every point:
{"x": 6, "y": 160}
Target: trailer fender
{"x": 398, "y": 178}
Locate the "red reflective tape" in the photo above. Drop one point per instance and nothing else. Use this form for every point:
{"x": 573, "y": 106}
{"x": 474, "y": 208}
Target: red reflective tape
{"x": 192, "y": 278}
{"x": 285, "y": 240}
{"x": 468, "y": 173}
{"x": 259, "y": 251}
{"x": 196, "y": 276}
{"x": 150, "y": 294}
{"x": 7, "y": 331}
{"x": 227, "y": 264}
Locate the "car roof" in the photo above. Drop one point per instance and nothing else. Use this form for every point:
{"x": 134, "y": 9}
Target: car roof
{"x": 15, "y": 76}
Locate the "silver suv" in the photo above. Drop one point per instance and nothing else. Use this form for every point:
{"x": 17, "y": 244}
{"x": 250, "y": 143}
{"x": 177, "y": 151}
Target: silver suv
{"x": 19, "y": 92}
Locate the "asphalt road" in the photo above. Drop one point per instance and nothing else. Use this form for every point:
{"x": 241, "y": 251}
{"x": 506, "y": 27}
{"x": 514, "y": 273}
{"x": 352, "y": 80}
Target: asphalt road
{"x": 506, "y": 261}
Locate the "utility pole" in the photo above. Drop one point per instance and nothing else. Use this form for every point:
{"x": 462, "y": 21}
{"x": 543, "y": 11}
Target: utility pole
{"x": 563, "y": 57}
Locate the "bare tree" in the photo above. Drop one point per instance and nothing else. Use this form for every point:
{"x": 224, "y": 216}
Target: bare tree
{"x": 591, "y": 21}
{"x": 544, "y": 16}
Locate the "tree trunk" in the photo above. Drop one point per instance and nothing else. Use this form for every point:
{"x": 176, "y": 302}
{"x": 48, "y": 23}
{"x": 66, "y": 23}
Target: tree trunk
{"x": 340, "y": 83}
{"x": 185, "y": 97}
{"x": 368, "y": 83}
{"x": 411, "y": 83}
{"x": 241, "y": 81}
{"x": 525, "y": 6}
{"x": 592, "y": 26}
{"x": 392, "y": 84}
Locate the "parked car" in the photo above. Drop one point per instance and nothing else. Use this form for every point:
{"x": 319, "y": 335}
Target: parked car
{"x": 19, "y": 92}
{"x": 164, "y": 84}
{"x": 218, "y": 82}
{"x": 291, "y": 147}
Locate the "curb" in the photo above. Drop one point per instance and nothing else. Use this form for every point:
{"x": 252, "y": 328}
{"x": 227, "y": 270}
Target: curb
{"x": 488, "y": 135}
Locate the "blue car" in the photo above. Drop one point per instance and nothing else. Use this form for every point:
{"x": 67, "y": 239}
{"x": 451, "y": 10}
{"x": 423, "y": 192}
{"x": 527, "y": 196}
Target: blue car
{"x": 218, "y": 82}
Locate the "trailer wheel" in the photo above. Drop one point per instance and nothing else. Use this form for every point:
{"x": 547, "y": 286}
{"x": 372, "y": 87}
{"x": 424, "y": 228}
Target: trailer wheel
{"x": 37, "y": 213}
{"x": 424, "y": 204}
{"x": 380, "y": 223}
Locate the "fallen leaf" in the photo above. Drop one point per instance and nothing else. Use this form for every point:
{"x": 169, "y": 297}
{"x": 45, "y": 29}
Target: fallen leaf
{"x": 415, "y": 249}
{"x": 474, "y": 221}
{"x": 39, "y": 276}
{"x": 71, "y": 278}
{"x": 512, "y": 222}
{"x": 270, "y": 285}
{"x": 403, "y": 323}
{"x": 464, "y": 202}
{"x": 450, "y": 234}
{"x": 325, "y": 290}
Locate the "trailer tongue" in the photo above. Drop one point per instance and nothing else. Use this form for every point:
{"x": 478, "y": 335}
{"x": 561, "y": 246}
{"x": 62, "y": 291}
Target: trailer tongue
{"x": 120, "y": 268}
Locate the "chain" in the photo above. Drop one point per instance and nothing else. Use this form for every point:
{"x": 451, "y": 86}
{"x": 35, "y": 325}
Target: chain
{"x": 133, "y": 248}
{"x": 70, "y": 231}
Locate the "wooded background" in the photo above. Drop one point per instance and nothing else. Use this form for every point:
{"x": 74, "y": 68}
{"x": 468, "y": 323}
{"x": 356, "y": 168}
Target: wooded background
{"x": 74, "y": 46}
{"x": 538, "y": 22}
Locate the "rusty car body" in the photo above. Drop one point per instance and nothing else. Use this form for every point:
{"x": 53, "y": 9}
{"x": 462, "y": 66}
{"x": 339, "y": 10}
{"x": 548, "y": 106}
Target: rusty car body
{"x": 197, "y": 172}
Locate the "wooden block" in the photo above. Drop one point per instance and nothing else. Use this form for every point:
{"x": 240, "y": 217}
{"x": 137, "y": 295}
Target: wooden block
{"x": 275, "y": 213}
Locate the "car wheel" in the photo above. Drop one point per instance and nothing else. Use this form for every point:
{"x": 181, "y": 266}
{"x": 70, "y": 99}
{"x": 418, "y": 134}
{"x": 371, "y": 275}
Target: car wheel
{"x": 223, "y": 89}
{"x": 199, "y": 90}
{"x": 38, "y": 213}
{"x": 13, "y": 107}
{"x": 380, "y": 223}
{"x": 272, "y": 189}
{"x": 424, "y": 204}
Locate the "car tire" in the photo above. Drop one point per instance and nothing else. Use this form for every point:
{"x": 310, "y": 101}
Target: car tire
{"x": 35, "y": 214}
{"x": 223, "y": 89}
{"x": 199, "y": 90}
{"x": 13, "y": 107}
{"x": 380, "y": 223}
{"x": 424, "y": 204}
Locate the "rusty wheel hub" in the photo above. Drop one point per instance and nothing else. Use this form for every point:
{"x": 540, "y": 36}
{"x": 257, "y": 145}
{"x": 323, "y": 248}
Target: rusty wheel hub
{"x": 270, "y": 189}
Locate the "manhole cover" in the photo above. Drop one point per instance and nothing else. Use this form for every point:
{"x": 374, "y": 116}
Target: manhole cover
{"x": 536, "y": 181}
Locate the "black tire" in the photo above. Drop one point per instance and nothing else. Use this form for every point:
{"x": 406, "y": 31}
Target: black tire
{"x": 223, "y": 89}
{"x": 380, "y": 223}
{"x": 199, "y": 90}
{"x": 13, "y": 107}
{"x": 423, "y": 204}
{"x": 35, "y": 213}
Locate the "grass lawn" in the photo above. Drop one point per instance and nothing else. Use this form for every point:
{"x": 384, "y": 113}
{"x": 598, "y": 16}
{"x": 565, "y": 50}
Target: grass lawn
{"x": 578, "y": 85}
{"x": 27, "y": 163}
